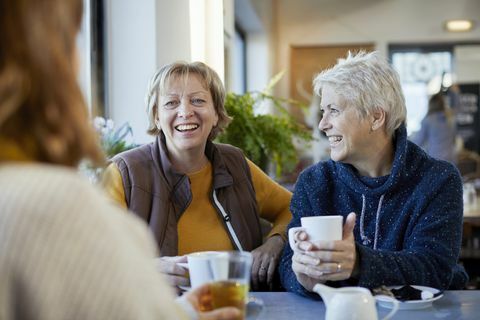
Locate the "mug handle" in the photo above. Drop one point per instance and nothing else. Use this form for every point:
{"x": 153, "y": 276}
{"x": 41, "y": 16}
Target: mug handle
{"x": 394, "y": 308}
{"x": 291, "y": 236}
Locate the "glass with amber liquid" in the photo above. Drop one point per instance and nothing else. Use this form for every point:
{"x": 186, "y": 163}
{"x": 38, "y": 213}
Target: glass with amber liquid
{"x": 231, "y": 278}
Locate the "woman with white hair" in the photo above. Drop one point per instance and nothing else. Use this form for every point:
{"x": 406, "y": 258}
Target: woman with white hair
{"x": 408, "y": 206}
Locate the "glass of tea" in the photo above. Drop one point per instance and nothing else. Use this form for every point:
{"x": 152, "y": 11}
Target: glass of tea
{"x": 230, "y": 272}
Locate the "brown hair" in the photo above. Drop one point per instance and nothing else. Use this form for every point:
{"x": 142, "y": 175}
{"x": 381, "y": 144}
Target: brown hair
{"x": 41, "y": 104}
{"x": 180, "y": 69}
{"x": 437, "y": 103}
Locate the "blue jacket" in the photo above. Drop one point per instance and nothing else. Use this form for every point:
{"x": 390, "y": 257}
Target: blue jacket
{"x": 409, "y": 223}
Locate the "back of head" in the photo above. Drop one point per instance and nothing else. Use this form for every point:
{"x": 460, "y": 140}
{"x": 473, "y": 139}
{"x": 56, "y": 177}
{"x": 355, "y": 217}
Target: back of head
{"x": 437, "y": 104}
{"x": 367, "y": 82}
{"x": 41, "y": 105}
{"x": 181, "y": 70}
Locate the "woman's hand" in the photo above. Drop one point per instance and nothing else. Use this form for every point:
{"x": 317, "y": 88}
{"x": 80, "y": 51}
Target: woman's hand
{"x": 200, "y": 298}
{"x": 265, "y": 260}
{"x": 175, "y": 274}
{"x": 321, "y": 261}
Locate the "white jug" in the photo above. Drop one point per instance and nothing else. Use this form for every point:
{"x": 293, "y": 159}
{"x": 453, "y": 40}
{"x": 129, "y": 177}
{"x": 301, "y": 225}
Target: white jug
{"x": 349, "y": 303}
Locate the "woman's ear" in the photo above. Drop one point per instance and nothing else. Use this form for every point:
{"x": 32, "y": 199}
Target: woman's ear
{"x": 378, "y": 117}
{"x": 215, "y": 122}
{"x": 155, "y": 116}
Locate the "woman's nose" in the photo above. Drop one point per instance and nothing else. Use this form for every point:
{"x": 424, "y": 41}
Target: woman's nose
{"x": 185, "y": 110}
{"x": 324, "y": 124}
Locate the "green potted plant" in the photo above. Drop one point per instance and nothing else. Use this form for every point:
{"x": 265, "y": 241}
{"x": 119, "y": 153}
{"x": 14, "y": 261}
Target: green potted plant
{"x": 264, "y": 138}
{"x": 112, "y": 141}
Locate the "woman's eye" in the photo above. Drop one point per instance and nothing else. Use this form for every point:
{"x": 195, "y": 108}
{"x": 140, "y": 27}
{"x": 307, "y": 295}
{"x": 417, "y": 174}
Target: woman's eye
{"x": 170, "y": 104}
{"x": 198, "y": 101}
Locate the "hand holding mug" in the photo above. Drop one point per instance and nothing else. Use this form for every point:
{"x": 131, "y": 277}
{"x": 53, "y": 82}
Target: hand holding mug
{"x": 176, "y": 275}
{"x": 317, "y": 228}
{"x": 320, "y": 260}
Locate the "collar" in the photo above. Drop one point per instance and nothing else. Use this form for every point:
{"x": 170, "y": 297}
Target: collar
{"x": 221, "y": 176}
{"x": 349, "y": 175}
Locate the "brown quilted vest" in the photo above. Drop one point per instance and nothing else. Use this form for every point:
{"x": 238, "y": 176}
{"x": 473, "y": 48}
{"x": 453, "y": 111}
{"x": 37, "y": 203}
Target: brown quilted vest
{"x": 159, "y": 195}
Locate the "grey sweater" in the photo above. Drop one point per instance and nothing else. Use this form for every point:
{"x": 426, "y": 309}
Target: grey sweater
{"x": 66, "y": 252}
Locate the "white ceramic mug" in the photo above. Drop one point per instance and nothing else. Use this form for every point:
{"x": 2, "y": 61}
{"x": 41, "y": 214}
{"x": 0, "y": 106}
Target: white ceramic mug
{"x": 325, "y": 228}
{"x": 205, "y": 266}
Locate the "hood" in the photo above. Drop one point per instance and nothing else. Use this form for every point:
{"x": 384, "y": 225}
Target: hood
{"x": 381, "y": 185}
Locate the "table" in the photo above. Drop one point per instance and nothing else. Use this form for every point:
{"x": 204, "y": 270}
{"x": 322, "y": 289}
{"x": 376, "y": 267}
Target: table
{"x": 462, "y": 304}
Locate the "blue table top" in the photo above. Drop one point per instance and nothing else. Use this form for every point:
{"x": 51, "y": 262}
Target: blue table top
{"x": 464, "y": 304}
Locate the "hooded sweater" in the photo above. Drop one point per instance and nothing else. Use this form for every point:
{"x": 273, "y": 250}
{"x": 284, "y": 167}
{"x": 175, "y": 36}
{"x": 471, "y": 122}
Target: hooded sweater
{"x": 409, "y": 223}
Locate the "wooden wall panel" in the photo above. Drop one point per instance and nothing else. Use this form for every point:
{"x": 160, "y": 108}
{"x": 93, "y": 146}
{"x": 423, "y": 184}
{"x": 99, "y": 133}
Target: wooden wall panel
{"x": 307, "y": 61}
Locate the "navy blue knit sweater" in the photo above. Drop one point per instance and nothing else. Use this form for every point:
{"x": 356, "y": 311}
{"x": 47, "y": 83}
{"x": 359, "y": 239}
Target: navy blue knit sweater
{"x": 409, "y": 223}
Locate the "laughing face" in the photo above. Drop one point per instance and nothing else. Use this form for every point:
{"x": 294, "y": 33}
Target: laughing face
{"x": 186, "y": 115}
{"x": 347, "y": 132}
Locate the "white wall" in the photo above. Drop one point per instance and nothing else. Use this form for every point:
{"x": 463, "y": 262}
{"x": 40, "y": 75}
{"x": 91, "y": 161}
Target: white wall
{"x": 172, "y": 36}
{"x": 467, "y": 63}
{"x": 131, "y": 59}
{"x": 143, "y": 36}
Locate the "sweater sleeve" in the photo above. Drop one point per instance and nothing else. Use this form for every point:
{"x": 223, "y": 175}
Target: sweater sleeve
{"x": 430, "y": 251}
{"x": 113, "y": 185}
{"x": 273, "y": 200}
{"x": 300, "y": 206}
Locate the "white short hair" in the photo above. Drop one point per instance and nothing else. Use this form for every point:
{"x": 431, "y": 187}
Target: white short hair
{"x": 367, "y": 82}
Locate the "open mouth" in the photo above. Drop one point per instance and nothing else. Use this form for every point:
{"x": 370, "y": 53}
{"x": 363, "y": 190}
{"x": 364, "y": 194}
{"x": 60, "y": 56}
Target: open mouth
{"x": 186, "y": 127}
{"x": 334, "y": 140}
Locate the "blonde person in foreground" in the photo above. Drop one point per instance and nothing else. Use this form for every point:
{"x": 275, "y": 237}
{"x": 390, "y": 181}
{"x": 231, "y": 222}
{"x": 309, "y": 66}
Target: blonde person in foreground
{"x": 197, "y": 195}
{"x": 65, "y": 251}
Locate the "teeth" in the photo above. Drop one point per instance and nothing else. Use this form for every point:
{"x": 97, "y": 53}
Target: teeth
{"x": 185, "y": 127}
{"x": 334, "y": 139}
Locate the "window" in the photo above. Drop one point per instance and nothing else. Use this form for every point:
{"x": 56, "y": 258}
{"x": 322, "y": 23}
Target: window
{"x": 423, "y": 70}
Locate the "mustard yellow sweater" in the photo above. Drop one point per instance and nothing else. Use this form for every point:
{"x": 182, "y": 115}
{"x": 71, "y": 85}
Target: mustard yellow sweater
{"x": 200, "y": 228}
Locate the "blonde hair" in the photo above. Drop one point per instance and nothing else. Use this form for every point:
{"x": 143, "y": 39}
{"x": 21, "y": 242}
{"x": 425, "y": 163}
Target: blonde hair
{"x": 41, "y": 104}
{"x": 211, "y": 81}
{"x": 367, "y": 82}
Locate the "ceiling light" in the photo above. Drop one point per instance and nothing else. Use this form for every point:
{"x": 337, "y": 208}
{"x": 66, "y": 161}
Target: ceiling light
{"x": 459, "y": 25}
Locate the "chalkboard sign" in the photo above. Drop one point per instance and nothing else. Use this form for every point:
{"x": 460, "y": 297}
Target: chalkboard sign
{"x": 468, "y": 116}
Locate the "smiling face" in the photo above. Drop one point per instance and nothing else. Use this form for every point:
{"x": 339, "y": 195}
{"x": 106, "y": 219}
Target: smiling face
{"x": 347, "y": 132}
{"x": 186, "y": 115}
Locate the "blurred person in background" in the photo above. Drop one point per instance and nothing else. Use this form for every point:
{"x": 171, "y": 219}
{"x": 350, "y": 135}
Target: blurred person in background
{"x": 197, "y": 195}
{"x": 65, "y": 251}
{"x": 437, "y": 132}
{"x": 402, "y": 209}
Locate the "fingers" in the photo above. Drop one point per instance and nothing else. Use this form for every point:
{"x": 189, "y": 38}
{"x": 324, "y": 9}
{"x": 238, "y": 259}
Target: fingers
{"x": 178, "y": 280}
{"x": 227, "y": 313}
{"x": 201, "y": 298}
{"x": 256, "y": 264}
{"x": 301, "y": 236}
{"x": 349, "y": 225}
{"x": 270, "y": 273}
{"x": 168, "y": 265}
{"x": 299, "y": 266}
{"x": 265, "y": 259}
{"x": 330, "y": 267}
{"x": 263, "y": 269}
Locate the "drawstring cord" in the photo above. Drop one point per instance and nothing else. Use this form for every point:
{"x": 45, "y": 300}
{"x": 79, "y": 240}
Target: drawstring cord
{"x": 365, "y": 239}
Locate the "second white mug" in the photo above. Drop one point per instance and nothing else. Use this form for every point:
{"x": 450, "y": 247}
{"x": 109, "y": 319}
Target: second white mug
{"x": 325, "y": 228}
